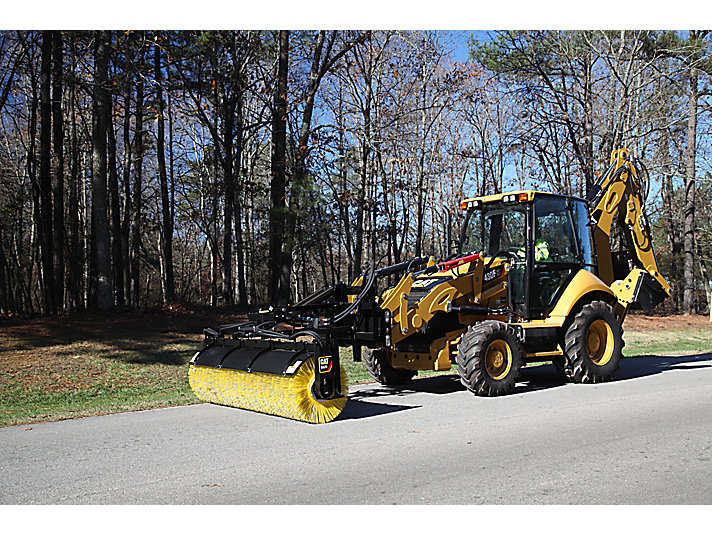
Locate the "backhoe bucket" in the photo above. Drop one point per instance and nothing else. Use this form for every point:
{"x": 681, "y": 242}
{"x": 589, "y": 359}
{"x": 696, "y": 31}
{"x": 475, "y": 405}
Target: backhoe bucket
{"x": 273, "y": 377}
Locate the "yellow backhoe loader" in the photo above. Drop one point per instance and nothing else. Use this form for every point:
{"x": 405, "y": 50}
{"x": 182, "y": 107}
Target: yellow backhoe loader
{"x": 535, "y": 278}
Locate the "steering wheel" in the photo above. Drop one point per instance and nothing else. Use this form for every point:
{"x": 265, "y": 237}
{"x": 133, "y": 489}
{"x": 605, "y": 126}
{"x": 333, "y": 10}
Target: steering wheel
{"x": 516, "y": 253}
{"x": 507, "y": 253}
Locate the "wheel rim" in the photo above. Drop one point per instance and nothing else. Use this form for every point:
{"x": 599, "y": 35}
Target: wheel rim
{"x": 599, "y": 342}
{"x": 498, "y": 359}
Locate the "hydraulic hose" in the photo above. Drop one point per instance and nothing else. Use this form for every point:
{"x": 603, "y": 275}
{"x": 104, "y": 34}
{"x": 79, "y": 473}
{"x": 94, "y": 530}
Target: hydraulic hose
{"x": 366, "y": 288}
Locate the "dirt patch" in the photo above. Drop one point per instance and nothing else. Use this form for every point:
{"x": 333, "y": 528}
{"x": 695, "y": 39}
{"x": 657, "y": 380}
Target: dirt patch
{"x": 651, "y": 323}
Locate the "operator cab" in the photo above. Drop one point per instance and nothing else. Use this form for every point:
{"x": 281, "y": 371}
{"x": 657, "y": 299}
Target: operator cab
{"x": 545, "y": 237}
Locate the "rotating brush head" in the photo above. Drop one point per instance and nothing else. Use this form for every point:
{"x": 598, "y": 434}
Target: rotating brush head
{"x": 287, "y": 396}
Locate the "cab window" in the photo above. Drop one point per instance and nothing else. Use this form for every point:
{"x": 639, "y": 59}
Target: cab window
{"x": 495, "y": 228}
{"x": 554, "y": 238}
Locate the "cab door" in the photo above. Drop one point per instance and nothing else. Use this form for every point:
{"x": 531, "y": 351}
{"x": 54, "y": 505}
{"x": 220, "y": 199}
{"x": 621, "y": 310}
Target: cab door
{"x": 555, "y": 251}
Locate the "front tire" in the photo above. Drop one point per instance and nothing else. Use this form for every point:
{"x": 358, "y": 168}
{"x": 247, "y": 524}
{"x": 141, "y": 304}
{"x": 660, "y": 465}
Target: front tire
{"x": 378, "y": 367}
{"x": 489, "y": 359}
{"x": 593, "y": 344}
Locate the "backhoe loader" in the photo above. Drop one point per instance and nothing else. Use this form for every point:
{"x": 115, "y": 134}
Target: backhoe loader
{"x": 537, "y": 277}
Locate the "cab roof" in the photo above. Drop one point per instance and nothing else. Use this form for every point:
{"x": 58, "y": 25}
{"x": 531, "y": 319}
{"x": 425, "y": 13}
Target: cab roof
{"x": 525, "y": 195}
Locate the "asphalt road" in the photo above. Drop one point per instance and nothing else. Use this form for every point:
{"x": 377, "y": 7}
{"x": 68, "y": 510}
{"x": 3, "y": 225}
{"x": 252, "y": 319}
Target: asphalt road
{"x": 645, "y": 438}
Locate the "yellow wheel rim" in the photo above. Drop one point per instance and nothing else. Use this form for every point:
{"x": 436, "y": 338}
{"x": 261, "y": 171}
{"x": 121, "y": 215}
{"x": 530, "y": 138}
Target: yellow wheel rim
{"x": 498, "y": 359}
{"x": 599, "y": 342}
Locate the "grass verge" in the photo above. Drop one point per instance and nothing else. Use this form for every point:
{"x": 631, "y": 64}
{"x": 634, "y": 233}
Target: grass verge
{"x": 668, "y": 342}
{"x": 91, "y": 378}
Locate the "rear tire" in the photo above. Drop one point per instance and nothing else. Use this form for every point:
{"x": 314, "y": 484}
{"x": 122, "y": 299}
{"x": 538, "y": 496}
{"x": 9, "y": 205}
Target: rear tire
{"x": 379, "y": 368}
{"x": 593, "y": 344}
{"x": 489, "y": 359}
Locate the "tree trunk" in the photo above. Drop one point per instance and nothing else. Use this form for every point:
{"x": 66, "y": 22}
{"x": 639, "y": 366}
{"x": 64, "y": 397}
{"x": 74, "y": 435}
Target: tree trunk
{"x": 75, "y": 252}
{"x": 587, "y": 142}
{"x": 705, "y": 277}
{"x": 103, "y": 297}
{"x": 171, "y": 175}
{"x": 163, "y": 179}
{"x": 239, "y": 240}
{"x": 45, "y": 178}
{"x": 305, "y": 129}
{"x": 689, "y": 242}
{"x": 58, "y": 178}
{"x": 278, "y": 264}
{"x": 137, "y": 186}
{"x": 4, "y": 308}
{"x": 126, "y": 222}
{"x": 213, "y": 238}
{"x": 668, "y": 216}
{"x": 229, "y": 125}
{"x": 115, "y": 220}
{"x": 420, "y": 203}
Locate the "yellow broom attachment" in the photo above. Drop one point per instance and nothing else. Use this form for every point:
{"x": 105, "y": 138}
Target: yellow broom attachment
{"x": 285, "y": 395}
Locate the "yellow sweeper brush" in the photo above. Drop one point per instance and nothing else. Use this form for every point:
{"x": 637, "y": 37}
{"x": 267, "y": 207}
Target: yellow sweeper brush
{"x": 270, "y": 377}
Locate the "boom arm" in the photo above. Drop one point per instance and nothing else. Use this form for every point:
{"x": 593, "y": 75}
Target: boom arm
{"x": 617, "y": 194}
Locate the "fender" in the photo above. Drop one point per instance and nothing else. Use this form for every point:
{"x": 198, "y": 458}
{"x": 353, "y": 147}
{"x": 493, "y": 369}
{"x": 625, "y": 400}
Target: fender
{"x": 583, "y": 283}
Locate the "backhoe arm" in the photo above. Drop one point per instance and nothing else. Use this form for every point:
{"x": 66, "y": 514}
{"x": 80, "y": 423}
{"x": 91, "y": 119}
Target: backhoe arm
{"x": 618, "y": 196}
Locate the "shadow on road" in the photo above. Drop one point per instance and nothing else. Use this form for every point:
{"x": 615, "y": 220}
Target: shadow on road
{"x": 652, "y": 365}
{"x": 360, "y": 405}
{"x": 531, "y": 379}
{"x": 545, "y": 376}
{"x": 358, "y": 409}
{"x": 434, "y": 384}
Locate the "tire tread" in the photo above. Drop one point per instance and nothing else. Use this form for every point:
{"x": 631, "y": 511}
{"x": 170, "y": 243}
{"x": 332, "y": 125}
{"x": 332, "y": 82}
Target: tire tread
{"x": 377, "y": 365}
{"x": 471, "y": 362}
{"x": 577, "y": 365}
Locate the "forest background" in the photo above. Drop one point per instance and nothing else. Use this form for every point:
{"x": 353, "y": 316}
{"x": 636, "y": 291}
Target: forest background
{"x": 238, "y": 168}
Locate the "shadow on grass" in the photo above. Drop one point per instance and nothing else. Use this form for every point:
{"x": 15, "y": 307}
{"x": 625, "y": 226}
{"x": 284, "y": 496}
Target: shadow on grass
{"x": 130, "y": 330}
{"x": 151, "y": 352}
{"x": 168, "y": 349}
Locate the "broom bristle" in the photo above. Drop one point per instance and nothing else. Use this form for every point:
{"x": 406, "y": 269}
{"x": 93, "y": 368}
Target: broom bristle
{"x": 286, "y": 396}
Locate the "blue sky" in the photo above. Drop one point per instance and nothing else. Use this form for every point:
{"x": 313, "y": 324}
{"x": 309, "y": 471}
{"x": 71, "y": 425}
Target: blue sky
{"x": 462, "y": 52}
